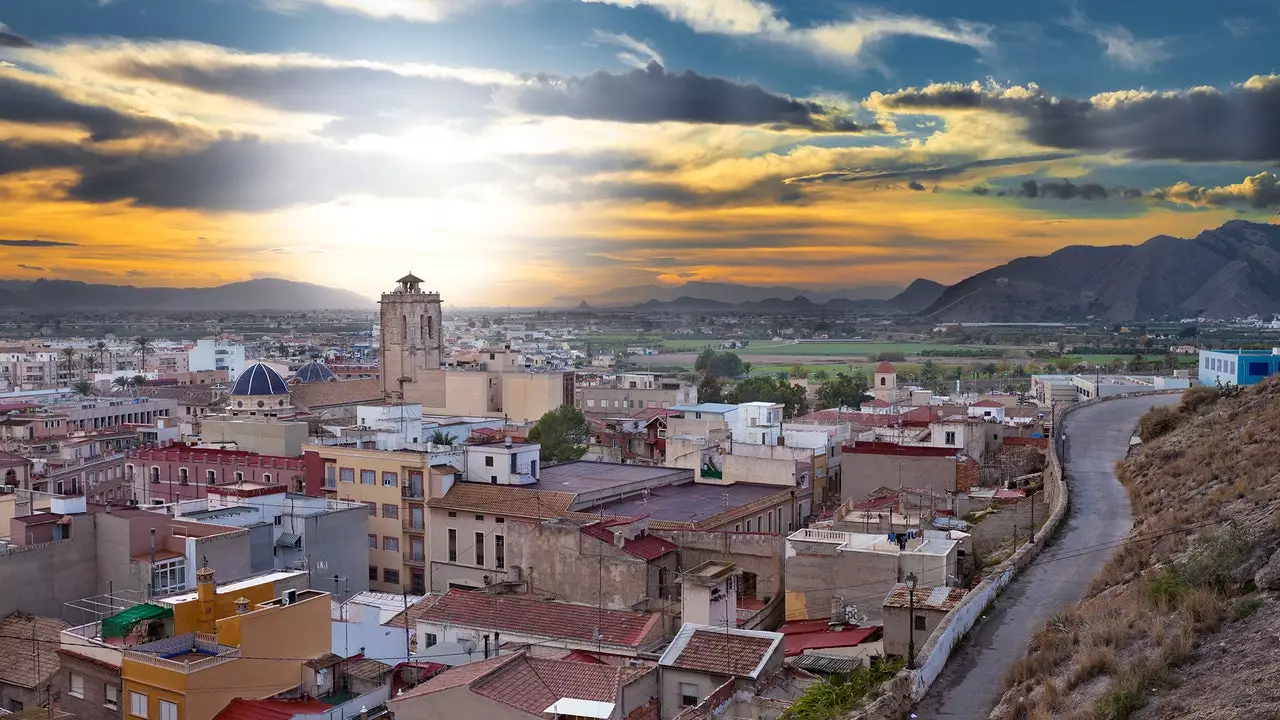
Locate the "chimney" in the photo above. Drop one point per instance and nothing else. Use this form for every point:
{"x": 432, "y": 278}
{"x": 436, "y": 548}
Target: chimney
{"x": 242, "y": 605}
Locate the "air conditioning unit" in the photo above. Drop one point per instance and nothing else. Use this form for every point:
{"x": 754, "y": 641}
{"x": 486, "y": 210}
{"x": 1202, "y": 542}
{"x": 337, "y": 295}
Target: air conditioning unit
{"x": 290, "y": 597}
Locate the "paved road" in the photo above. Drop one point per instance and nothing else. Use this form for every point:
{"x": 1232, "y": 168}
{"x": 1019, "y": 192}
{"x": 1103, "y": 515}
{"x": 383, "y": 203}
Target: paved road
{"x": 1097, "y": 437}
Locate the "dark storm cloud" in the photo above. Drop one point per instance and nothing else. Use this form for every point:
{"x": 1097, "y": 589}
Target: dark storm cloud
{"x": 654, "y": 95}
{"x": 29, "y": 103}
{"x": 10, "y": 39}
{"x": 35, "y": 243}
{"x": 1239, "y": 124}
{"x": 913, "y": 185}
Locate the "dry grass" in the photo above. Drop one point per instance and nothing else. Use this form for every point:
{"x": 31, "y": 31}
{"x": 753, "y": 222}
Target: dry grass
{"x": 1206, "y": 502}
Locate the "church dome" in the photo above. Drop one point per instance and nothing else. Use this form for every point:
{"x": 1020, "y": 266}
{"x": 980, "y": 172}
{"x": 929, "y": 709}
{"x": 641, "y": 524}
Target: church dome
{"x": 315, "y": 371}
{"x": 259, "y": 379}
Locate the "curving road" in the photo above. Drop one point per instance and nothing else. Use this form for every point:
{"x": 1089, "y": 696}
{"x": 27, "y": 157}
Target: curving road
{"x": 1097, "y": 437}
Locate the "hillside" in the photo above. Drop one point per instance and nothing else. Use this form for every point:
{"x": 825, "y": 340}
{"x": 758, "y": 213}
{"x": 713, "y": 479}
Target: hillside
{"x": 920, "y": 294}
{"x": 1232, "y": 271}
{"x": 1182, "y": 620}
{"x": 262, "y": 294}
{"x": 731, "y": 293}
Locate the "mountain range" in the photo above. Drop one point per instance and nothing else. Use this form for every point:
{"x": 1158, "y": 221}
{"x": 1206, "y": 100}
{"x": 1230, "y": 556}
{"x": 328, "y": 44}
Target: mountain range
{"x": 261, "y": 294}
{"x": 1228, "y": 272}
{"x": 914, "y": 298}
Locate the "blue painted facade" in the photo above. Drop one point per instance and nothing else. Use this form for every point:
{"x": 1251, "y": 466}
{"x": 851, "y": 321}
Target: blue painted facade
{"x": 1237, "y": 367}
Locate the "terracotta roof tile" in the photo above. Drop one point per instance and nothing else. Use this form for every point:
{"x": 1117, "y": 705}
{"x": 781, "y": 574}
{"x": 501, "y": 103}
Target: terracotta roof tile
{"x": 241, "y": 709}
{"x": 457, "y": 676}
{"x": 526, "y": 616}
{"x": 645, "y": 547}
{"x": 884, "y": 367}
{"x": 722, "y": 653}
{"x": 942, "y": 599}
{"x": 534, "y": 684}
{"x": 506, "y": 500}
{"x": 18, "y": 660}
{"x": 367, "y": 669}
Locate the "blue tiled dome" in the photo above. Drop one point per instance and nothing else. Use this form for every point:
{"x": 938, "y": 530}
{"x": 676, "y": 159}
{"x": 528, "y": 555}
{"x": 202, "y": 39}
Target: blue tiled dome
{"x": 315, "y": 371}
{"x": 259, "y": 379}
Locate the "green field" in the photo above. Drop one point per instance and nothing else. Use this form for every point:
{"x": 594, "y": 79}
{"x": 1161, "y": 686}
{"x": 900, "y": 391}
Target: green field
{"x": 800, "y": 350}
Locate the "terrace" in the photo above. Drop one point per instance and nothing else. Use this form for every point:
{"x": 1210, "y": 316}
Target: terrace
{"x": 186, "y": 653}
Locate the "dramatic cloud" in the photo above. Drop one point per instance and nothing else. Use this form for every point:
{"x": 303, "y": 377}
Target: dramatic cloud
{"x": 1119, "y": 43}
{"x": 9, "y": 39}
{"x": 1198, "y": 125}
{"x": 1259, "y": 191}
{"x": 26, "y": 101}
{"x": 34, "y": 243}
{"x": 902, "y": 169}
{"x": 913, "y": 185}
{"x": 654, "y": 95}
{"x": 414, "y": 10}
{"x": 36, "y": 268}
{"x": 847, "y": 40}
{"x": 1061, "y": 190}
{"x": 635, "y": 53}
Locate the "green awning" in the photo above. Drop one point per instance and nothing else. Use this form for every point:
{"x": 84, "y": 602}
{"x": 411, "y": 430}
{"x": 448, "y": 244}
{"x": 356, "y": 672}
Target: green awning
{"x": 119, "y": 625}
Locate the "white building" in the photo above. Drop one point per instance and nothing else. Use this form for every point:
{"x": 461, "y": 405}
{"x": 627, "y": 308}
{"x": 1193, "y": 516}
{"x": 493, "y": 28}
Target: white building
{"x": 758, "y": 423}
{"x": 211, "y": 354}
{"x": 503, "y": 463}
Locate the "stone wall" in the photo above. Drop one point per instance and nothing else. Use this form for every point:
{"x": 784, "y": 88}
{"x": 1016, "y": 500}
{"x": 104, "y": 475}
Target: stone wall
{"x": 1009, "y": 521}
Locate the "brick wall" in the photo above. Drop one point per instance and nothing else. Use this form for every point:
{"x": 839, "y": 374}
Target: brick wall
{"x": 968, "y": 473}
{"x": 648, "y": 711}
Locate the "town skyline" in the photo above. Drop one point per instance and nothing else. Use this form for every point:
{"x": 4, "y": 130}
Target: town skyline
{"x": 512, "y": 153}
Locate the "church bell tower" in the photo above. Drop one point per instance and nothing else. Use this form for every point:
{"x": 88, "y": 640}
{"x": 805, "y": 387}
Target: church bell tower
{"x": 412, "y": 344}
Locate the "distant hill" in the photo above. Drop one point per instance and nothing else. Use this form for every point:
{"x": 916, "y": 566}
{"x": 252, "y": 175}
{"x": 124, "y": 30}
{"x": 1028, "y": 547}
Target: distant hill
{"x": 920, "y": 294}
{"x": 263, "y": 294}
{"x": 1232, "y": 271}
{"x": 726, "y": 293}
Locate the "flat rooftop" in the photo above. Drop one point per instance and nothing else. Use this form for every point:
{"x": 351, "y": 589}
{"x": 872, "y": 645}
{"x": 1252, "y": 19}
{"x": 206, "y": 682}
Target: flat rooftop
{"x": 586, "y": 476}
{"x": 233, "y": 586}
{"x": 717, "y": 408}
{"x": 690, "y": 502}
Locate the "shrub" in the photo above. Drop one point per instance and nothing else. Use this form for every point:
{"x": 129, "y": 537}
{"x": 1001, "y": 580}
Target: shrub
{"x": 1245, "y": 607}
{"x": 1196, "y": 398}
{"x": 1158, "y": 422}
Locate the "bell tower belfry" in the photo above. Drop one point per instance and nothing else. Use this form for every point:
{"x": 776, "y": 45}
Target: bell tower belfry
{"x": 412, "y": 344}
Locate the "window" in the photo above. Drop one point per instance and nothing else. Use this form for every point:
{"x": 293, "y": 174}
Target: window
{"x": 488, "y": 461}
{"x": 499, "y": 520}
{"x": 210, "y": 477}
{"x": 168, "y": 710}
{"x": 279, "y": 520}
{"x": 1258, "y": 368}
{"x": 429, "y": 639}
{"x": 112, "y": 694}
{"x": 373, "y": 541}
{"x": 373, "y": 571}
{"x": 493, "y": 479}
{"x": 950, "y": 438}
{"x": 499, "y": 552}
{"x": 920, "y": 624}
{"x": 479, "y": 546}
{"x": 76, "y": 688}
{"x": 183, "y": 477}
{"x": 389, "y": 511}
{"x": 330, "y": 475}
{"x": 479, "y": 518}
{"x": 266, "y": 477}
{"x": 770, "y": 516}
{"x": 390, "y": 479}
{"x": 239, "y": 476}
{"x": 453, "y": 514}
{"x": 137, "y": 704}
{"x": 373, "y": 508}
{"x": 453, "y": 545}
{"x": 368, "y": 477}
{"x": 391, "y": 577}
{"x": 748, "y": 526}
{"x": 391, "y": 543}
{"x": 688, "y": 694}
{"x": 155, "y": 474}
{"x": 170, "y": 575}
{"x": 347, "y": 475}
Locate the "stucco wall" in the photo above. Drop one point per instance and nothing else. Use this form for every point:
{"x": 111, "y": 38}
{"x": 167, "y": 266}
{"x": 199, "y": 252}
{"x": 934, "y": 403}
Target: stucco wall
{"x": 863, "y": 472}
{"x": 758, "y": 553}
{"x": 334, "y": 538}
{"x": 41, "y": 578}
{"x": 228, "y": 554}
{"x": 760, "y": 470}
{"x": 670, "y": 679}
{"x": 576, "y": 567}
{"x": 818, "y": 572}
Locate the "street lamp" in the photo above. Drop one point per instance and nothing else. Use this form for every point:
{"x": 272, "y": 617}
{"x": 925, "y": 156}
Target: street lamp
{"x": 911, "y": 621}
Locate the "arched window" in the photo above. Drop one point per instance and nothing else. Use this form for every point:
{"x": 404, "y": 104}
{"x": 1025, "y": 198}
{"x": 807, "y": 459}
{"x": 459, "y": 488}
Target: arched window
{"x": 430, "y": 327}
{"x": 404, "y": 328}
{"x": 882, "y": 381}
{"x": 423, "y": 332}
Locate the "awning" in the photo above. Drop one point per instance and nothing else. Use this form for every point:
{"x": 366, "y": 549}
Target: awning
{"x": 289, "y": 540}
{"x": 119, "y": 625}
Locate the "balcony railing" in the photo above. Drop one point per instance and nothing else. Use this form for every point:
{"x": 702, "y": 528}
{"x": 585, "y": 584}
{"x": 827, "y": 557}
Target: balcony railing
{"x": 415, "y": 558}
{"x": 411, "y": 492}
{"x": 414, "y": 525}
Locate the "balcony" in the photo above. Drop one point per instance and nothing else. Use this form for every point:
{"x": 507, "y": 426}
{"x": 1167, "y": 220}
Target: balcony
{"x": 187, "y": 653}
{"x": 411, "y": 493}
{"x": 414, "y": 525}
{"x": 415, "y": 558}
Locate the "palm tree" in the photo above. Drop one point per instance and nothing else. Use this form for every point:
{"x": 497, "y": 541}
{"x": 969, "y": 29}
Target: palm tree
{"x": 440, "y": 437}
{"x": 100, "y": 348}
{"x": 143, "y": 346}
{"x": 138, "y": 380}
{"x": 83, "y": 388}
{"x": 120, "y": 382}
{"x": 89, "y": 362}
{"x": 68, "y": 357}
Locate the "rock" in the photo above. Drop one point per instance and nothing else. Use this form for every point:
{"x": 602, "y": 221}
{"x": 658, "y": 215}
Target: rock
{"x": 1268, "y": 578}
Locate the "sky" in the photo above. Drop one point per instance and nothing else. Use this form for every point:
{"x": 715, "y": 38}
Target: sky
{"x": 512, "y": 152}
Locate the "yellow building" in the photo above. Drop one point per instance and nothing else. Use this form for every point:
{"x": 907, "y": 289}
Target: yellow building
{"x": 391, "y": 483}
{"x": 222, "y": 650}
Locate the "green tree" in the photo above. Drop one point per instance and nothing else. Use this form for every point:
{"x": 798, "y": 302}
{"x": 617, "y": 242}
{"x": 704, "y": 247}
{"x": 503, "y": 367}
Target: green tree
{"x": 720, "y": 364}
{"x": 709, "y": 389}
{"x": 990, "y": 370}
{"x": 844, "y": 390}
{"x": 820, "y": 376}
{"x": 138, "y": 380}
{"x": 440, "y": 437}
{"x": 562, "y": 433}
{"x": 143, "y": 346}
{"x": 120, "y": 382}
{"x": 83, "y": 388}
{"x": 772, "y": 388}
{"x": 798, "y": 372}
{"x": 89, "y": 363}
{"x": 68, "y": 359}
{"x": 100, "y": 349}
{"x": 930, "y": 376}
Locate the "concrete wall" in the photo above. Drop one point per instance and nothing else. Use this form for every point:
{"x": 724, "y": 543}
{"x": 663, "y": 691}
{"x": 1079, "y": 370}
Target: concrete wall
{"x": 441, "y": 570}
{"x": 670, "y": 680}
{"x": 338, "y": 540}
{"x": 526, "y": 397}
{"x": 228, "y": 554}
{"x": 861, "y": 473}
{"x": 114, "y": 570}
{"x": 760, "y": 470}
{"x": 818, "y": 572}
{"x": 39, "y": 579}
{"x": 262, "y": 547}
{"x": 757, "y": 553}
{"x": 277, "y": 437}
{"x": 457, "y": 702}
{"x": 556, "y": 557}
{"x": 897, "y": 629}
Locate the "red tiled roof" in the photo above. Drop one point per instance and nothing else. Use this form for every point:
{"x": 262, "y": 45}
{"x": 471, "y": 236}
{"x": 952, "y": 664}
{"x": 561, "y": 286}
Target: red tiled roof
{"x": 988, "y": 403}
{"x": 884, "y": 367}
{"x": 534, "y": 684}
{"x": 645, "y": 547}
{"x": 241, "y": 709}
{"x": 649, "y": 414}
{"x": 877, "y": 502}
{"x": 583, "y": 656}
{"x": 795, "y": 643}
{"x": 942, "y": 599}
{"x": 915, "y": 417}
{"x": 722, "y": 653}
{"x": 457, "y": 676}
{"x": 543, "y": 618}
